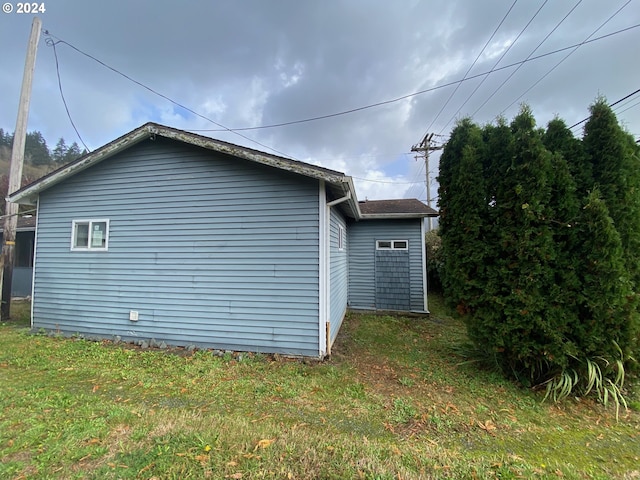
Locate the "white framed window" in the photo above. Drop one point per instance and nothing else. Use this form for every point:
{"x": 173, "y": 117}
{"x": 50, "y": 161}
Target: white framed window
{"x": 90, "y": 235}
{"x": 341, "y": 237}
{"x": 392, "y": 244}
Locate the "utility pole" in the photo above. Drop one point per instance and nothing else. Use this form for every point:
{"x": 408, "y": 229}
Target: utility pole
{"x": 424, "y": 147}
{"x": 15, "y": 172}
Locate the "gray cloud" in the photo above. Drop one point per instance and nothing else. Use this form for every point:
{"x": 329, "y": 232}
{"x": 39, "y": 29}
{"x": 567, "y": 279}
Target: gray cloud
{"x": 250, "y": 62}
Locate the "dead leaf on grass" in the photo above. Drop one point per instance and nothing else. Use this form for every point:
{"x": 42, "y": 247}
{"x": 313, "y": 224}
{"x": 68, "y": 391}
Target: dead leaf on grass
{"x": 142, "y": 470}
{"x": 488, "y": 426}
{"x": 235, "y": 475}
{"x": 264, "y": 443}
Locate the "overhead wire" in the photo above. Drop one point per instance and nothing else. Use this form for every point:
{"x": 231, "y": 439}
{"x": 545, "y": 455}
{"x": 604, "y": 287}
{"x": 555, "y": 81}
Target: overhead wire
{"x": 586, "y": 40}
{"x": 610, "y": 105}
{"x": 419, "y": 92}
{"x": 471, "y": 67}
{"x": 520, "y": 66}
{"x": 419, "y": 185}
{"x": 383, "y": 181}
{"x": 628, "y": 101}
{"x": 495, "y": 65}
{"x": 629, "y": 108}
{"x": 340, "y": 113}
{"x": 155, "y": 92}
{"x": 51, "y": 43}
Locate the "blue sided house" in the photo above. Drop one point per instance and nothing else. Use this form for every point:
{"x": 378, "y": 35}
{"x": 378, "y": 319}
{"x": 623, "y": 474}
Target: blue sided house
{"x": 167, "y": 235}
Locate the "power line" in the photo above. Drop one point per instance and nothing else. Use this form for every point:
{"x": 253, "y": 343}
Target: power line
{"x": 586, "y": 40}
{"x": 629, "y": 100}
{"x": 51, "y": 43}
{"x": 384, "y": 181}
{"x": 419, "y": 92}
{"x": 629, "y": 108}
{"x": 496, "y": 64}
{"x": 336, "y": 114}
{"x": 472, "y": 65}
{"x": 343, "y": 112}
{"x": 224, "y": 128}
{"x": 419, "y": 173}
{"x": 611, "y": 105}
{"x": 520, "y": 66}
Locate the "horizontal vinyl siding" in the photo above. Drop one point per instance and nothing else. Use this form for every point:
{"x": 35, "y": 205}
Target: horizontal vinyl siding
{"x": 362, "y": 248}
{"x": 339, "y": 273}
{"x": 210, "y": 250}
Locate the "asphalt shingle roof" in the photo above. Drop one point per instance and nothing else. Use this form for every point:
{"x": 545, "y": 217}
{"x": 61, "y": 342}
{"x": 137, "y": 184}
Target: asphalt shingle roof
{"x": 402, "y": 206}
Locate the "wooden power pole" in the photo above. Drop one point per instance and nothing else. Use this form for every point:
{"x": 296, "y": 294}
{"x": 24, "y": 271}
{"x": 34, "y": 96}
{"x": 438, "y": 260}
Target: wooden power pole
{"x": 424, "y": 147}
{"x": 15, "y": 172}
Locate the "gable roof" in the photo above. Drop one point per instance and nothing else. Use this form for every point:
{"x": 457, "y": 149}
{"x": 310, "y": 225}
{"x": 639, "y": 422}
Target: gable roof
{"x": 340, "y": 185}
{"x": 404, "y": 208}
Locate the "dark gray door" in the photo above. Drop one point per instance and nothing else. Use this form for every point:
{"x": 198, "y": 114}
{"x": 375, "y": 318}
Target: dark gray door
{"x": 392, "y": 280}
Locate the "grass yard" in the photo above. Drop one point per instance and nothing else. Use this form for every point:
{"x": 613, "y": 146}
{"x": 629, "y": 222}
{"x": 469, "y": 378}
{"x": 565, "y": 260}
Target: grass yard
{"x": 394, "y": 402}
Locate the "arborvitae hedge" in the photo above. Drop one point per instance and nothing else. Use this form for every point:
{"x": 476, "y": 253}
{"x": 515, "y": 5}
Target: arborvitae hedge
{"x": 542, "y": 263}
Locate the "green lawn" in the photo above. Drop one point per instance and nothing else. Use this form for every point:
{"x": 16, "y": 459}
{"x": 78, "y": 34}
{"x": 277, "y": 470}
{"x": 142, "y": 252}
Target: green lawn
{"x": 394, "y": 402}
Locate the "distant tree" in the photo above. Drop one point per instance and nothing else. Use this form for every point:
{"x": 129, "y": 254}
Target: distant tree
{"x": 59, "y": 151}
{"x": 36, "y": 150}
{"x": 6, "y": 139}
{"x": 73, "y": 152}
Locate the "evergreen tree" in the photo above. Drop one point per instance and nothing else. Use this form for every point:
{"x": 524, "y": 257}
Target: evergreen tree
{"x": 5, "y": 139}
{"x": 527, "y": 329}
{"x": 559, "y": 139}
{"x": 614, "y": 161}
{"x": 36, "y": 150}
{"x": 608, "y": 308}
{"x": 59, "y": 151}
{"x": 72, "y": 153}
{"x": 462, "y": 206}
{"x": 539, "y": 262}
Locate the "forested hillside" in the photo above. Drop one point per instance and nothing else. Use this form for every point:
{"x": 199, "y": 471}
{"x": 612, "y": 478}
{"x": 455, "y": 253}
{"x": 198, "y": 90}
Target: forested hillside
{"x": 38, "y": 161}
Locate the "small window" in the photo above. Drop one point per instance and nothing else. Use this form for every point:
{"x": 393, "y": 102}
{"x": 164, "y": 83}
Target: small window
{"x": 341, "y": 237}
{"x": 400, "y": 244}
{"x": 392, "y": 245}
{"x": 90, "y": 235}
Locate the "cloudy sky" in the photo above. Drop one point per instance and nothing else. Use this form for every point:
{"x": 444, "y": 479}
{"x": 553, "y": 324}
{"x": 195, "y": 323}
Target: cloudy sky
{"x": 253, "y": 63}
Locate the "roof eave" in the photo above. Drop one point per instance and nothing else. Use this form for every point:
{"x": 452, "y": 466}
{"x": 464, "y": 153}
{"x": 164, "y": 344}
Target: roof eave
{"x": 391, "y": 216}
{"x": 247, "y": 154}
{"x": 149, "y": 131}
